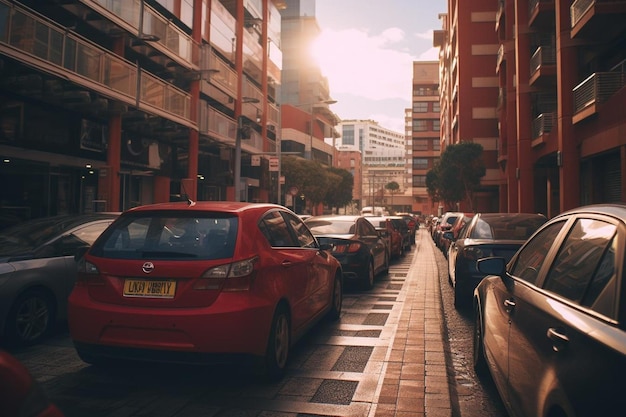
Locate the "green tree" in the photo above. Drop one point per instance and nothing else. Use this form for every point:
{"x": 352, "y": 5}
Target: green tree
{"x": 457, "y": 175}
{"x": 340, "y": 187}
{"x": 308, "y": 176}
{"x": 393, "y": 187}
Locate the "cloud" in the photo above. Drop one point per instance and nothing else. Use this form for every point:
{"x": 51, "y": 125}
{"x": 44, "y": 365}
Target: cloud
{"x": 428, "y": 35}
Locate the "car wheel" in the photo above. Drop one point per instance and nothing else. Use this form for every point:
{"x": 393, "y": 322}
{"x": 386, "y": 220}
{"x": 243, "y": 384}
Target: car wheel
{"x": 478, "y": 357}
{"x": 386, "y": 266}
{"x": 337, "y": 301}
{"x": 368, "y": 282}
{"x": 31, "y": 318}
{"x": 278, "y": 345}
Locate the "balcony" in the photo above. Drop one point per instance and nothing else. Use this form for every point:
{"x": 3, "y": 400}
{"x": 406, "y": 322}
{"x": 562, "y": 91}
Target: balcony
{"x": 41, "y": 44}
{"x": 599, "y": 20}
{"x": 541, "y": 13}
{"x": 595, "y": 90}
{"x": 542, "y": 125}
{"x": 501, "y": 57}
{"x": 543, "y": 65}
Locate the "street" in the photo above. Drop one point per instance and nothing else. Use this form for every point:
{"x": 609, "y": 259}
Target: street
{"x": 338, "y": 369}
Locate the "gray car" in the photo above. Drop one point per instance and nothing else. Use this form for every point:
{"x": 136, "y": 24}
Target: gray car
{"x": 550, "y": 326}
{"x": 37, "y": 272}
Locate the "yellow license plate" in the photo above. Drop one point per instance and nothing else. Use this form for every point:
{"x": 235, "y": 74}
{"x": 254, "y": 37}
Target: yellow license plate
{"x": 149, "y": 288}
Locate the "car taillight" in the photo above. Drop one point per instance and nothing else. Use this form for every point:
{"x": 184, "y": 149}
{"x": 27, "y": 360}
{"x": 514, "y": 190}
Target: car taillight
{"x": 349, "y": 248}
{"x": 237, "y": 276}
{"x": 88, "y": 274}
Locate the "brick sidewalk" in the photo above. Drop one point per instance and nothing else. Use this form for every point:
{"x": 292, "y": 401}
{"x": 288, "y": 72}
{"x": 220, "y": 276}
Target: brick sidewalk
{"x": 415, "y": 382}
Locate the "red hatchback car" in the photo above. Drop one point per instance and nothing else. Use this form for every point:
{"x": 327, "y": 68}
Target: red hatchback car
{"x": 201, "y": 282}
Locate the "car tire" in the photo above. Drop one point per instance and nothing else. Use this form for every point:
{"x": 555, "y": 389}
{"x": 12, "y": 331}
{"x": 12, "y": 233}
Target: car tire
{"x": 385, "y": 270}
{"x": 337, "y": 300}
{"x": 478, "y": 352}
{"x": 30, "y": 319}
{"x": 368, "y": 281}
{"x": 278, "y": 345}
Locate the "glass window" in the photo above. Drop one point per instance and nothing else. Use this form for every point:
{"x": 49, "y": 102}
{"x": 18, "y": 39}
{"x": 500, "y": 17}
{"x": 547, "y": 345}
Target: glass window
{"x": 600, "y": 295}
{"x": 420, "y": 163}
{"x": 275, "y": 229}
{"x": 420, "y": 145}
{"x": 303, "y": 234}
{"x": 420, "y": 107}
{"x": 420, "y": 125}
{"x": 531, "y": 257}
{"x": 578, "y": 258}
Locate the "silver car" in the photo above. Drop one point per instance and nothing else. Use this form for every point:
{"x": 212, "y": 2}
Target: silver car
{"x": 37, "y": 272}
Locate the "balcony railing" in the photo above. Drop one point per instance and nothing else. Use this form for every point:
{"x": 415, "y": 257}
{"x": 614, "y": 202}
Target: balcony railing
{"x": 500, "y": 56}
{"x": 93, "y": 67}
{"x": 174, "y": 40}
{"x": 544, "y": 55}
{"x": 598, "y": 88}
{"x": 578, "y": 9}
{"x": 542, "y": 124}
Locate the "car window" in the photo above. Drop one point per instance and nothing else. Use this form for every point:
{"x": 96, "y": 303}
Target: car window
{"x": 602, "y": 289}
{"x": 579, "y": 257}
{"x": 367, "y": 229}
{"x": 169, "y": 236}
{"x": 303, "y": 234}
{"x": 276, "y": 231}
{"x": 531, "y": 257}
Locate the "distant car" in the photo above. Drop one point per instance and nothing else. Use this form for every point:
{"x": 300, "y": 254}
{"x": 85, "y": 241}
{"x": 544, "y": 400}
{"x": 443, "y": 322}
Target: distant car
{"x": 201, "y": 282}
{"x": 357, "y": 245}
{"x": 443, "y": 225}
{"x": 37, "y": 272}
{"x": 550, "y": 326}
{"x": 485, "y": 235}
{"x": 400, "y": 224}
{"x": 412, "y": 223}
{"x": 393, "y": 235}
{"x": 458, "y": 224}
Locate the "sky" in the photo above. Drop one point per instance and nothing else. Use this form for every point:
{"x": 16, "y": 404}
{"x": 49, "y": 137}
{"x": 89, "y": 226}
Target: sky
{"x": 367, "y": 48}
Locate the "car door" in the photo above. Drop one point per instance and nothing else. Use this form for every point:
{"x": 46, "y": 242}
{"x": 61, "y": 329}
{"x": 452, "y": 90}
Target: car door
{"x": 291, "y": 267}
{"x": 368, "y": 234}
{"x": 558, "y": 336}
{"x": 321, "y": 277}
{"x": 501, "y": 299}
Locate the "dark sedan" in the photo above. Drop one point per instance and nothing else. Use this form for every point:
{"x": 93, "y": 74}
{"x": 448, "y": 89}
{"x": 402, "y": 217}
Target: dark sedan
{"x": 37, "y": 272}
{"x": 484, "y": 235}
{"x": 550, "y": 326}
{"x": 357, "y": 245}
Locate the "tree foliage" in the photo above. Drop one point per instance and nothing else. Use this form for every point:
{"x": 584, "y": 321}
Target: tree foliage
{"x": 392, "y": 186}
{"x": 317, "y": 183}
{"x": 457, "y": 175}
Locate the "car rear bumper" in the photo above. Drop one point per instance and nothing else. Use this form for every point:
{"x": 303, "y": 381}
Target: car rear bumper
{"x": 225, "y": 327}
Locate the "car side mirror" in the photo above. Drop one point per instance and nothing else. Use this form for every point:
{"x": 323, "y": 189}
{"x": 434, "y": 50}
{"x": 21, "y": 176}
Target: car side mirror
{"x": 448, "y": 235}
{"x": 494, "y": 265}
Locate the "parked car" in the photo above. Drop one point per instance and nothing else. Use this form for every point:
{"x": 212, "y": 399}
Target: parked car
{"x": 401, "y": 225}
{"x": 551, "y": 324}
{"x": 390, "y": 232}
{"x": 37, "y": 272}
{"x": 455, "y": 229}
{"x": 443, "y": 225}
{"x": 485, "y": 235}
{"x": 358, "y": 246}
{"x": 199, "y": 282}
{"x": 412, "y": 223}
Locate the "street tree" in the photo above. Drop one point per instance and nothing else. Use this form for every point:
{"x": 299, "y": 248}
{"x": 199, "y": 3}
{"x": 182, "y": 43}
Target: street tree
{"x": 339, "y": 192}
{"x": 393, "y": 187}
{"x": 309, "y": 177}
{"x": 457, "y": 175}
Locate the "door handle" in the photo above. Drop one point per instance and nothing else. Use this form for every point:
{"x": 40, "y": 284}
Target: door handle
{"x": 559, "y": 340}
{"x": 509, "y": 304}
{"x": 287, "y": 264}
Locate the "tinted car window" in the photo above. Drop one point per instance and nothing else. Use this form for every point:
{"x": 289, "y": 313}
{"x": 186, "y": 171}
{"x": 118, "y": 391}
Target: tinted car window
{"x": 166, "y": 235}
{"x": 367, "y": 229}
{"x": 321, "y": 227}
{"x": 303, "y": 235}
{"x": 578, "y": 258}
{"x": 276, "y": 231}
{"x": 600, "y": 295}
{"x": 531, "y": 257}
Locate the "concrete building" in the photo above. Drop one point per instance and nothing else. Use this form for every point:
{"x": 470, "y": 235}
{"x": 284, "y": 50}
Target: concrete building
{"x": 469, "y": 89}
{"x": 560, "y": 102}
{"x": 562, "y": 108}
{"x": 105, "y": 105}
{"x": 306, "y": 117}
{"x": 423, "y": 133}
{"x": 383, "y": 154}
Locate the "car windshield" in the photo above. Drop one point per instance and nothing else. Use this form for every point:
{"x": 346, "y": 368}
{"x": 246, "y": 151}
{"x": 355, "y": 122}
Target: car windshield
{"x": 169, "y": 235}
{"x": 338, "y": 227}
{"x": 31, "y": 234}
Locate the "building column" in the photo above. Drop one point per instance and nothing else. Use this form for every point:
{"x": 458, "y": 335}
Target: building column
{"x": 566, "y": 69}
{"x": 524, "y": 169}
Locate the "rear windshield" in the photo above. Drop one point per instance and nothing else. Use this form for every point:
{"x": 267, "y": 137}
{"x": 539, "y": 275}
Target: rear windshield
{"x": 503, "y": 228}
{"x": 322, "y": 227}
{"x": 166, "y": 235}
